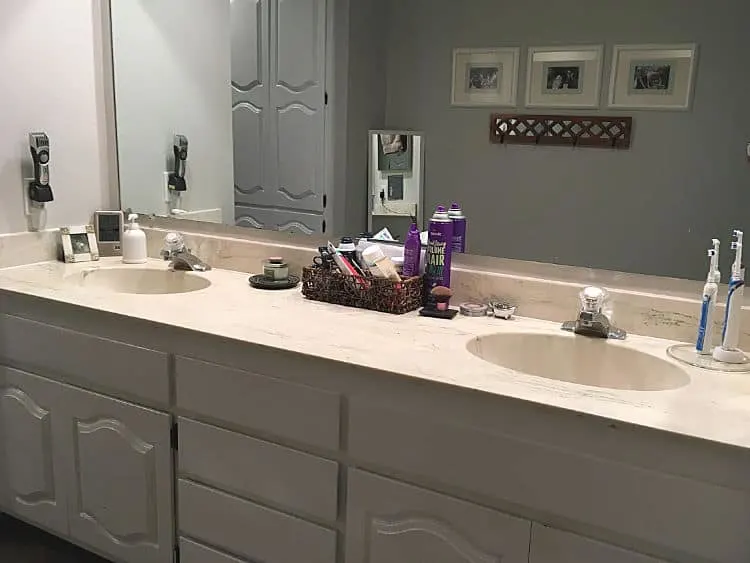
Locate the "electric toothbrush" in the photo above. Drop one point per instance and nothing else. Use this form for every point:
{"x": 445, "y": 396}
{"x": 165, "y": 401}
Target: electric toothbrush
{"x": 704, "y": 342}
{"x": 729, "y": 351}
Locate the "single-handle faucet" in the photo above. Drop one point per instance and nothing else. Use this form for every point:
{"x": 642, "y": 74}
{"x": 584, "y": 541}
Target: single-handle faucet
{"x": 592, "y": 319}
{"x": 180, "y": 256}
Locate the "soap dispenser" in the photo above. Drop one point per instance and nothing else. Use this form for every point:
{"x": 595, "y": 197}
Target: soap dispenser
{"x": 134, "y": 248}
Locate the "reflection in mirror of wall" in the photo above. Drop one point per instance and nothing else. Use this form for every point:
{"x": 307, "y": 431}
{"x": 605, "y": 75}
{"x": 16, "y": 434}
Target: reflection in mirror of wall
{"x": 261, "y": 69}
{"x": 395, "y": 189}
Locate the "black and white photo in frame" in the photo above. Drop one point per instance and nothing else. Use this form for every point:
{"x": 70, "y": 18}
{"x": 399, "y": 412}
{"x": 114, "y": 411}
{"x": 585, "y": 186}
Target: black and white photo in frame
{"x": 78, "y": 244}
{"x": 652, "y": 76}
{"x": 564, "y": 76}
{"x": 485, "y": 77}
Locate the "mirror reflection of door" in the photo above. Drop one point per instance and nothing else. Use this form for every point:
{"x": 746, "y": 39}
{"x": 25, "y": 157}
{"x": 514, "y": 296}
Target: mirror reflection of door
{"x": 278, "y": 103}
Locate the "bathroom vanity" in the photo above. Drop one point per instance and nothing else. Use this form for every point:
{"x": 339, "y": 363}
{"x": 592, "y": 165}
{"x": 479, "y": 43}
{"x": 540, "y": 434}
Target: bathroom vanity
{"x": 149, "y": 428}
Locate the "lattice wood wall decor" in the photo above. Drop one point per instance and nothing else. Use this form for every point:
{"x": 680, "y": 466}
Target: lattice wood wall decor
{"x": 573, "y": 130}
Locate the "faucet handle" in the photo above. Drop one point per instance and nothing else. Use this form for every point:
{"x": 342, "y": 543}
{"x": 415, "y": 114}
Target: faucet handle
{"x": 174, "y": 242}
{"x": 593, "y": 299}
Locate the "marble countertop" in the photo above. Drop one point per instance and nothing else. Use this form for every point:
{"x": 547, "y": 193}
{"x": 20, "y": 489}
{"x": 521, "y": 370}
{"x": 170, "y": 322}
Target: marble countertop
{"x": 713, "y": 406}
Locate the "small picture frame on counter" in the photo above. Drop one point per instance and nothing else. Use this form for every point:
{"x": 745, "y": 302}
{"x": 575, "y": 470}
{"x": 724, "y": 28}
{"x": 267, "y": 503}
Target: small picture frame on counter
{"x": 79, "y": 244}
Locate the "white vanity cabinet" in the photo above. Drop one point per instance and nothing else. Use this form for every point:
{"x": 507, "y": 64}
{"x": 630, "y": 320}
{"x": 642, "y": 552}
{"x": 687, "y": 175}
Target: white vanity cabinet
{"x": 391, "y": 522}
{"x": 118, "y": 477}
{"x": 549, "y": 545}
{"x": 89, "y": 467}
{"x": 31, "y": 426}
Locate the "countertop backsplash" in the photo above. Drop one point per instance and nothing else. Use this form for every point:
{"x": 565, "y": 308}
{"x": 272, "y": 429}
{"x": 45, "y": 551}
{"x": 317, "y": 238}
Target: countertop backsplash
{"x": 648, "y": 305}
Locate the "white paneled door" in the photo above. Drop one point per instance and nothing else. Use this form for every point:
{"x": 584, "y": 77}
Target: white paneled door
{"x": 279, "y": 98}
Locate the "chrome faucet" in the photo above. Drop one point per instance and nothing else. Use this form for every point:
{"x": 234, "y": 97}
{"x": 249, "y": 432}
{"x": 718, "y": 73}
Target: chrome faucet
{"x": 180, "y": 256}
{"x": 592, "y": 319}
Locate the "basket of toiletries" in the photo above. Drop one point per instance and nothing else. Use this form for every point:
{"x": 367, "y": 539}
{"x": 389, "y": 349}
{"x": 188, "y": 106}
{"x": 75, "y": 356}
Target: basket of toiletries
{"x": 366, "y": 279}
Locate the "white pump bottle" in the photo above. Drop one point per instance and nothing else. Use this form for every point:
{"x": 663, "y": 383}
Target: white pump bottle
{"x": 134, "y": 247}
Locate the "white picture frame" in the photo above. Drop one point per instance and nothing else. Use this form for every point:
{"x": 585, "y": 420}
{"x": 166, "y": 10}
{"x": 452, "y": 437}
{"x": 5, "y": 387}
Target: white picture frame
{"x": 79, "y": 244}
{"x": 485, "y": 77}
{"x": 653, "y": 77}
{"x": 564, "y": 76}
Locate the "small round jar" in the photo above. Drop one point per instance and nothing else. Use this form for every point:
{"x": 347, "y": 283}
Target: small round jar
{"x": 275, "y": 269}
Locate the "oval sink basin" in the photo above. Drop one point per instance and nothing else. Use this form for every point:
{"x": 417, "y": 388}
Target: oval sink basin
{"x": 142, "y": 281}
{"x": 578, "y": 359}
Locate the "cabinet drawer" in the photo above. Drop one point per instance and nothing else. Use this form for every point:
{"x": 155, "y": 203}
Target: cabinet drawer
{"x": 294, "y": 480}
{"x": 554, "y": 546}
{"x": 259, "y": 403}
{"x": 250, "y": 530}
{"x": 87, "y": 360}
{"x": 192, "y": 552}
{"x": 672, "y": 511}
{"x": 391, "y": 522}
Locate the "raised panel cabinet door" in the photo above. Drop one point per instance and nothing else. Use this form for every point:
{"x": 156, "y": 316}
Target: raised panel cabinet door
{"x": 34, "y": 484}
{"x": 120, "y": 477}
{"x": 549, "y": 545}
{"x": 391, "y": 522}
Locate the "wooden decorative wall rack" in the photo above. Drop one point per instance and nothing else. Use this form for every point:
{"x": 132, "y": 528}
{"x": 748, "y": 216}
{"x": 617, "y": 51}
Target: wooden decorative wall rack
{"x": 573, "y": 130}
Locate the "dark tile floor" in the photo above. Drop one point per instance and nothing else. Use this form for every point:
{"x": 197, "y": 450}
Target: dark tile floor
{"x": 21, "y": 543}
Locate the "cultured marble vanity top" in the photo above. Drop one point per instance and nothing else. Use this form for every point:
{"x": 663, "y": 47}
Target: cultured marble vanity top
{"x": 713, "y": 405}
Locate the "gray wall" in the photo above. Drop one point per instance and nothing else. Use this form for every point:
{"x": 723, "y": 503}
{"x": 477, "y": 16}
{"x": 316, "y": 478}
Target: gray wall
{"x": 366, "y": 102}
{"x": 358, "y": 105}
{"x": 652, "y": 209}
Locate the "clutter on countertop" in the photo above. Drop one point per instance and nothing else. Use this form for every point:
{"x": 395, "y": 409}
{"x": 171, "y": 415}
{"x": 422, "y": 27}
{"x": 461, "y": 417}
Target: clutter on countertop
{"x": 471, "y": 309}
{"x": 438, "y": 304}
{"x": 275, "y": 269}
{"x": 360, "y": 276}
{"x": 501, "y": 309}
{"x": 275, "y": 275}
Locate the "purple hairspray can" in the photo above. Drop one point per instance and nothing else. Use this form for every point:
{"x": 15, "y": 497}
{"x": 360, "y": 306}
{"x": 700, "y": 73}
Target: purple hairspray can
{"x": 439, "y": 248}
{"x": 459, "y": 227}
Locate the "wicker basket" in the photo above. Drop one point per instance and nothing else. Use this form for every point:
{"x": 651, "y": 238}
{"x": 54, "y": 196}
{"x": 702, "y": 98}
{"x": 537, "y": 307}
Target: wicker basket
{"x": 386, "y": 296}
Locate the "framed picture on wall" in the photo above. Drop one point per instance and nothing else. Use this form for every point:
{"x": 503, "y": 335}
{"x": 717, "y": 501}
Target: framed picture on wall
{"x": 564, "y": 77}
{"x": 652, "y": 76}
{"x": 485, "y": 77}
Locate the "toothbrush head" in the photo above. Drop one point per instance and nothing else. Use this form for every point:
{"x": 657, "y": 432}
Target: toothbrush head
{"x": 738, "y": 235}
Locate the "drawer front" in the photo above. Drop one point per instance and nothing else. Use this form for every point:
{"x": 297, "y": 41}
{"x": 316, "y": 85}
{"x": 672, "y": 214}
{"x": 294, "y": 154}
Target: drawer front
{"x": 554, "y": 546}
{"x": 193, "y": 552}
{"x": 672, "y": 511}
{"x": 249, "y": 530}
{"x": 259, "y": 403}
{"x": 296, "y": 481}
{"x": 391, "y": 522}
{"x": 83, "y": 359}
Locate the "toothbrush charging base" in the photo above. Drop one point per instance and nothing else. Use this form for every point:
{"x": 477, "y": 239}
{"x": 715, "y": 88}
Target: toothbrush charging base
{"x": 729, "y": 356}
{"x": 688, "y": 355}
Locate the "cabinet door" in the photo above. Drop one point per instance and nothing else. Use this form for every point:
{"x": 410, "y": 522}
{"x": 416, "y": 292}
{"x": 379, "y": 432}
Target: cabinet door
{"x": 30, "y": 426}
{"x": 119, "y": 472}
{"x": 390, "y": 522}
{"x": 554, "y": 546}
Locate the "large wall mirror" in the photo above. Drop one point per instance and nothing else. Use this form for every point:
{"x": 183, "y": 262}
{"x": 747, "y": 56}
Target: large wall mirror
{"x": 276, "y": 100}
